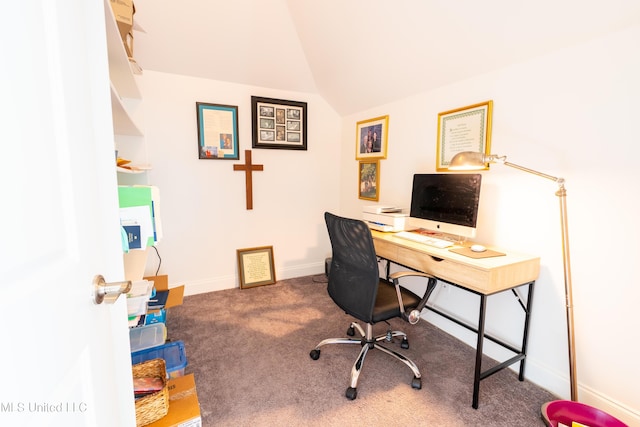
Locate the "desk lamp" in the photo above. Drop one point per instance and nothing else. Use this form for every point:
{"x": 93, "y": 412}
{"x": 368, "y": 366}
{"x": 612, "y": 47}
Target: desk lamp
{"x": 469, "y": 160}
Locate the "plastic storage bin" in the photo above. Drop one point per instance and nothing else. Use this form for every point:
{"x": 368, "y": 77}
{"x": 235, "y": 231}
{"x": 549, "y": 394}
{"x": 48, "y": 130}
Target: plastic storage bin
{"x": 567, "y": 412}
{"x": 149, "y": 336}
{"x": 172, "y": 352}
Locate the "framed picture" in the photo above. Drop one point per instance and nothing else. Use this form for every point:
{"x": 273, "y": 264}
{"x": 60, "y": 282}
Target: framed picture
{"x": 463, "y": 129}
{"x": 217, "y": 131}
{"x": 369, "y": 180}
{"x": 371, "y": 138}
{"x": 255, "y": 267}
{"x": 278, "y": 123}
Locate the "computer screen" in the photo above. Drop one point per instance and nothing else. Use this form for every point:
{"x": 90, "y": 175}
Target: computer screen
{"x": 445, "y": 203}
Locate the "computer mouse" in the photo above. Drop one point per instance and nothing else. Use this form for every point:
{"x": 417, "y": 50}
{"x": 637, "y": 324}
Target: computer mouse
{"x": 478, "y": 248}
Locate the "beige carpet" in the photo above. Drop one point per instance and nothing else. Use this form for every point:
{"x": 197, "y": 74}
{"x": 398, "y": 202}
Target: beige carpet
{"x": 249, "y": 351}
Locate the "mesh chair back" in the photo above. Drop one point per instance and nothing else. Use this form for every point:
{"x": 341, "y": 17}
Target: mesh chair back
{"x": 354, "y": 274}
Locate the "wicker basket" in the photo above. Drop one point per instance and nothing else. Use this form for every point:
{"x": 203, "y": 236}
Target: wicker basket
{"x": 154, "y": 406}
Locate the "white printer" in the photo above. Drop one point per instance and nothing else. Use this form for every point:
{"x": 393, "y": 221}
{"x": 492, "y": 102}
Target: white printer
{"x": 384, "y": 218}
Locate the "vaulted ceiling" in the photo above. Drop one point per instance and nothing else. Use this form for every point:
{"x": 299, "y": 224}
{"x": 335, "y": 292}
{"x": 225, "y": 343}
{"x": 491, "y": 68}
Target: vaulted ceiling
{"x": 358, "y": 54}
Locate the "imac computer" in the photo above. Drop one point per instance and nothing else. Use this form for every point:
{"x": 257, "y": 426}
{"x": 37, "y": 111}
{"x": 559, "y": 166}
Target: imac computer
{"x": 445, "y": 203}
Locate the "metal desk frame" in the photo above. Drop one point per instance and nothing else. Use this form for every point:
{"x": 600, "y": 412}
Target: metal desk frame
{"x": 520, "y": 353}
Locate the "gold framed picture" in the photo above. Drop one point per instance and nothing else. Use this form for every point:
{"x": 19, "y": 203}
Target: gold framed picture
{"x": 255, "y": 267}
{"x": 371, "y": 138}
{"x": 463, "y": 129}
{"x": 369, "y": 180}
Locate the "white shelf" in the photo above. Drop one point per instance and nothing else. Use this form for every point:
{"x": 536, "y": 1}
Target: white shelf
{"x": 125, "y": 93}
{"x": 126, "y": 99}
{"x": 123, "y": 123}
{"x": 137, "y": 169}
{"x": 120, "y": 70}
{"x": 129, "y": 171}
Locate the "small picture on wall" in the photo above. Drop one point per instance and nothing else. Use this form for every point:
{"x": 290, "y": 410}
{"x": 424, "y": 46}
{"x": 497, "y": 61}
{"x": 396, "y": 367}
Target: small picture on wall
{"x": 369, "y": 180}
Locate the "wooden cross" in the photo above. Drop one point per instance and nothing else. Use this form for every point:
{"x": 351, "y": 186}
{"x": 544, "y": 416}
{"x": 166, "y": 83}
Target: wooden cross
{"x": 248, "y": 168}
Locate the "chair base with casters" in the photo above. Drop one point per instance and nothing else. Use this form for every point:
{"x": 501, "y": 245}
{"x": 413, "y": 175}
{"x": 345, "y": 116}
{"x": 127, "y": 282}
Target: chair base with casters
{"x": 368, "y": 341}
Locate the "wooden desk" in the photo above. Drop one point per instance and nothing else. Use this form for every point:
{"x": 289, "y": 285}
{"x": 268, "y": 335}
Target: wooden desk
{"x": 481, "y": 276}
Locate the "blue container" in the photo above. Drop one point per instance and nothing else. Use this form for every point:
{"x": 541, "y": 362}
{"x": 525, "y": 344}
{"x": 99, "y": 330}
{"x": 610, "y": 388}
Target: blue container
{"x": 156, "y": 316}
{"x": 172, "y": 352}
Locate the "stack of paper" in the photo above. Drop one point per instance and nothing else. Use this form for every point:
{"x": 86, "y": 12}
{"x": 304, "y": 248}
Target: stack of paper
{"x": 138, "y": 297}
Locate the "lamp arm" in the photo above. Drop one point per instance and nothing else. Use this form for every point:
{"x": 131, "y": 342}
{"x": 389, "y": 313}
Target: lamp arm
{"x": 559, "y": 181}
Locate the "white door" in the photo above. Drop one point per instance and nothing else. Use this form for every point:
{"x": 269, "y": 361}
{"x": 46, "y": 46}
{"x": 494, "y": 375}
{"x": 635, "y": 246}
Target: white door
{"x": 64, "y": 360}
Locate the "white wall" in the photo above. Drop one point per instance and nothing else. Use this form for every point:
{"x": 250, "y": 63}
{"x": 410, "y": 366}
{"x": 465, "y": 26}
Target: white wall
{"x": 572, "y": 114}
{"x": 203, "y": 209}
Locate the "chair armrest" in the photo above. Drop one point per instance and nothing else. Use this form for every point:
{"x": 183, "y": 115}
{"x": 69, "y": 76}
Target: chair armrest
{"x": 400, "y": 274}
{"x": 414, "y": 316}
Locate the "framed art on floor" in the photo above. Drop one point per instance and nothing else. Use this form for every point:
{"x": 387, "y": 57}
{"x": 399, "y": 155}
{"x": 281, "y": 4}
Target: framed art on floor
{"x": 255, "y": 267}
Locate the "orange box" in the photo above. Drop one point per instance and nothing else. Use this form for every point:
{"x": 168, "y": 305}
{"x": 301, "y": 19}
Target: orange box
{"x": 161, "y": 283}
{"x": 184, "y": 408}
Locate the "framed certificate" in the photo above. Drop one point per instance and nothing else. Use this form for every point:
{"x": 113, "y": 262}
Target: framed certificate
{"x": 255, "y": 267}
{"x": 217, "y": 131}
{"x": 463, "y": 129}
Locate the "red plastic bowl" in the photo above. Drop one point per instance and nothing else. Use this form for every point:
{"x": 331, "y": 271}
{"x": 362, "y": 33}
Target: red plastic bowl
{"x": 567, "y": 411}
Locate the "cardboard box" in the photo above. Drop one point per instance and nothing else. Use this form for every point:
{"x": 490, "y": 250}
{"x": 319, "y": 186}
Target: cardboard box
{"x": 123, "y": 11}
{"x": 184, "y": 408}
{"x": 127, "y": 39}
{"x": 176, "y": 294}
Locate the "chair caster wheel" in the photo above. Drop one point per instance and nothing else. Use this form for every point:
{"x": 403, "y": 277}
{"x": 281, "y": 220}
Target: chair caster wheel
{"x": 351, "y": 393}
{"x": 416, "y": 383}
{"x": 405, "y": 343}
{"x": 389, "y": 336}
{"x": 314, "y": 354}
{"x": 351, "y": 331}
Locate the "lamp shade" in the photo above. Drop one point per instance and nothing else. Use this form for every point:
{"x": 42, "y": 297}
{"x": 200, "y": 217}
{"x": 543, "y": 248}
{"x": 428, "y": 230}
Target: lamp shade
{"x": 468, "y": 160}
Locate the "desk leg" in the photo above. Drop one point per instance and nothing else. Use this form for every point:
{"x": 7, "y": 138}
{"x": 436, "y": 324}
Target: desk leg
{"x": 525, "y": 334}
{"x": 476, "y": 378}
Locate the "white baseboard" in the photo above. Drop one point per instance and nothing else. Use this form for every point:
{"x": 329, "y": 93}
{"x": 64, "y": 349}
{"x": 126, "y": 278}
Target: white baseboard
{"x": 612, "y": 407}
{"x": 229, "y": 282}
{"x": 210, "y": 285}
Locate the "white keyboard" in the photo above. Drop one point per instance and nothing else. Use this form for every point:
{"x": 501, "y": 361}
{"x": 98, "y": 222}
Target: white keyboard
{"x": 426, "y": 240}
